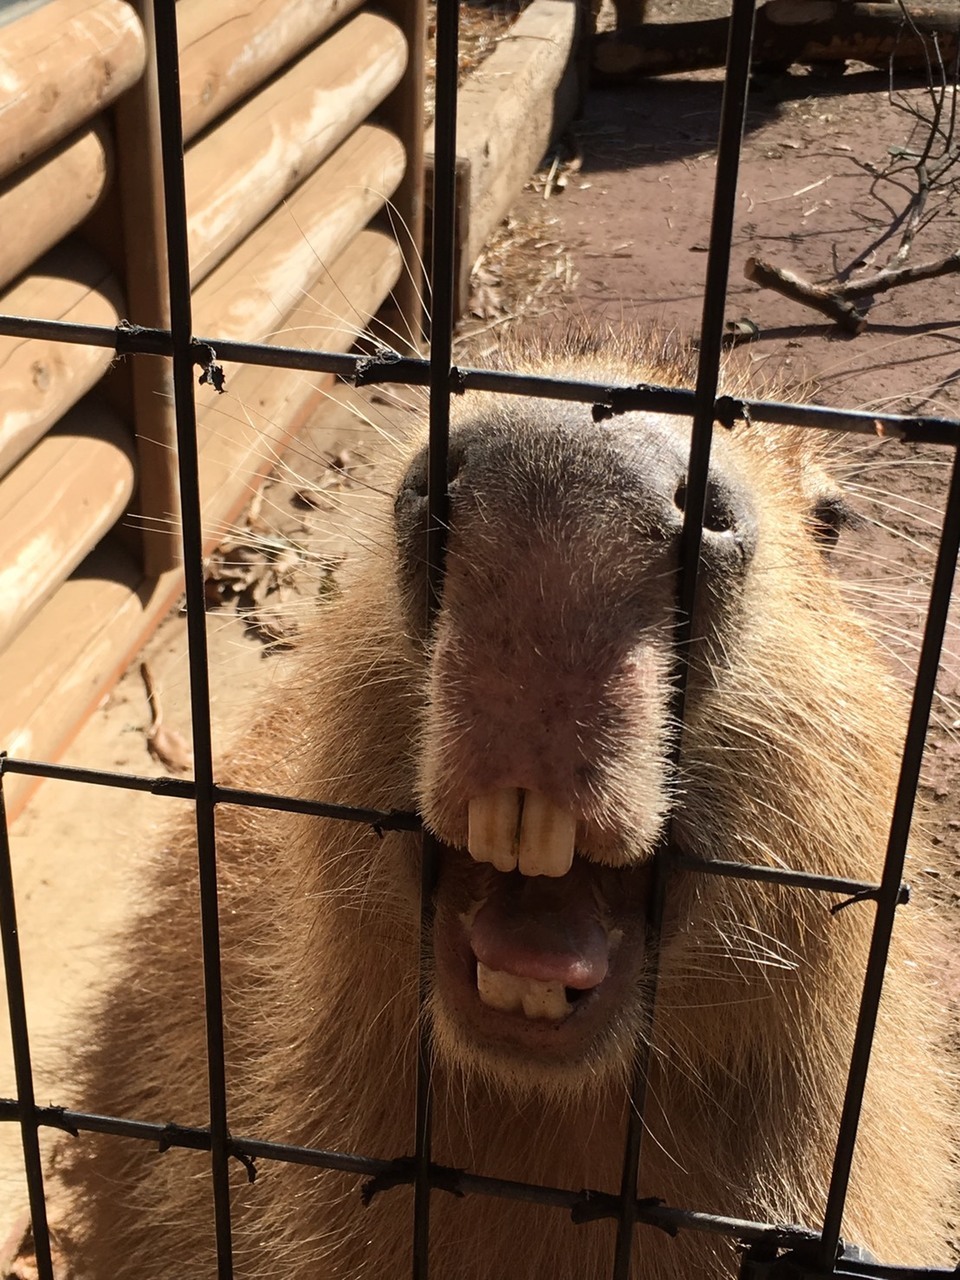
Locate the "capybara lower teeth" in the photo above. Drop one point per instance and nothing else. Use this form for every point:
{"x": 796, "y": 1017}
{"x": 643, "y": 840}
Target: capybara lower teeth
{"x": 512, "y": 994}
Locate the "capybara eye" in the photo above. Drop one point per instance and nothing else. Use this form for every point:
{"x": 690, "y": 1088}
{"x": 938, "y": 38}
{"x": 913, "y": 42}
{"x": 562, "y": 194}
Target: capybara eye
{"x": 829, "y": 516}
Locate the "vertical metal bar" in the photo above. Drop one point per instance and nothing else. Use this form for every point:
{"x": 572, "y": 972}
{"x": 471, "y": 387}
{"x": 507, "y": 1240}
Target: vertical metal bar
{"x": 732, "y": 116}
{"x": 924, "y": 689}
{"x": 23, "y": 1069}
{"x": 171, "y": 136}
{"x": 441, "y": 353}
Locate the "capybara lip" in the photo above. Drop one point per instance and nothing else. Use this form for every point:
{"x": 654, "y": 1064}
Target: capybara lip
{"x": 566, "y": 955}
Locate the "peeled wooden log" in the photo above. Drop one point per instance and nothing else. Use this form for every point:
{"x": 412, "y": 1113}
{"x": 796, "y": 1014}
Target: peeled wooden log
{"x": 243, "y": 432}
{"x": 60, "y": 64}
{"x": 50, "y": 687}
{"x": 40, "y": 380}
{"x": 786, "y": 31}
{"x": 228, "y": 48}
{"x": 56, "y": 504}
{"x": 239, "y": 171}
{"x": 248, "y": 295}
{"x": 48, "y": 199}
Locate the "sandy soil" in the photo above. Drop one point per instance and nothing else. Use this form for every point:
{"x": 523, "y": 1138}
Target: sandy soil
{"x": 633, "y": 220}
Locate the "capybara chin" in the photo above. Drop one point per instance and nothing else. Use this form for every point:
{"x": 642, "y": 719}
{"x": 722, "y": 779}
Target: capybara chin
{"x": 531, "y": 725}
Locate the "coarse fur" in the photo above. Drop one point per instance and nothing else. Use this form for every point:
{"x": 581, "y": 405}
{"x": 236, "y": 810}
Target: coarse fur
{"x": 790, "y": 753}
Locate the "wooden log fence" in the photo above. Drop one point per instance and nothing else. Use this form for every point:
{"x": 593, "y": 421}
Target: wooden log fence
{"x": 40, "y": 381}
{"x": 304, "y": 118}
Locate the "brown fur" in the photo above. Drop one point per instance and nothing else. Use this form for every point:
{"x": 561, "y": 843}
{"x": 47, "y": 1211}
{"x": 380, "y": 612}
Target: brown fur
{"x": 790, "y": 757}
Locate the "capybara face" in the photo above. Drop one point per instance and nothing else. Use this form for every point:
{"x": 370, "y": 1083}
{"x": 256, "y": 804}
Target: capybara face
{"x": 546, "y": 740}
{"x": 532, "y": 721}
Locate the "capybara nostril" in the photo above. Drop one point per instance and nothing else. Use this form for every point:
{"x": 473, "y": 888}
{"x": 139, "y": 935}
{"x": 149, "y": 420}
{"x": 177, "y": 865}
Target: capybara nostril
{"x": 719, "y": 515}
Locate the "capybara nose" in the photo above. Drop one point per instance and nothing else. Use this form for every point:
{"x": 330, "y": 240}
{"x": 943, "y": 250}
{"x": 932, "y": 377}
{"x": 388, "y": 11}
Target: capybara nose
{"x": 609, "y": 490}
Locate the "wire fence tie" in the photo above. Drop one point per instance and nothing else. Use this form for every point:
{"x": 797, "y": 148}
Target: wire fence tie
{"x": 55, "y": 1117}
{"x": 614, "y": 403}
{"x": 594, "y": 1205}
{"x": 728, "y": 411}
{"x": 403, "y": 1172}
{"x": 868, "y": 895}
{"x": 134, "y": 339}
{"x": 249, "y": 1163}
{"x": 213, "y": 374}
{"x": 369, "y": 368}
{"x": 173, "y": 1135}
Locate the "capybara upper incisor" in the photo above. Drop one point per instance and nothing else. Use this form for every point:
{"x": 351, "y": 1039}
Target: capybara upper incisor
{"x": 530, "y": 725}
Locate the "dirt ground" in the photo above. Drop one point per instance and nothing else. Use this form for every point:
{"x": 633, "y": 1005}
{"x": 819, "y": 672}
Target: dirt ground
{"x": 626, "y": 227}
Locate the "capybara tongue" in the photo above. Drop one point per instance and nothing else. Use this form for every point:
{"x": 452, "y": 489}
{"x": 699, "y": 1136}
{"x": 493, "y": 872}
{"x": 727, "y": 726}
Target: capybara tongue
{"x": 542, "y": 928}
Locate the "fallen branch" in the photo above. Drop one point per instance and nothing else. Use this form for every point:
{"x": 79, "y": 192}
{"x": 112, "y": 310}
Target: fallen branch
{"x": 824, "y": 299}
{"x": 836, "y": 300}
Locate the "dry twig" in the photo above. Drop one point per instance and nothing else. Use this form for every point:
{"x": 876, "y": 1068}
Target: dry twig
{"x": 836, "y": 300}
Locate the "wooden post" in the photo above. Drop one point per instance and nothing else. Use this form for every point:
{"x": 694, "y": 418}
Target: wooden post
{"x": 144, "y": 232}
{"x": 403, "y": 112}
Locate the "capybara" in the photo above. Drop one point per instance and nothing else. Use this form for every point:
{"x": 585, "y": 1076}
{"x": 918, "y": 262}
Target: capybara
{"x": 530, "y": 724}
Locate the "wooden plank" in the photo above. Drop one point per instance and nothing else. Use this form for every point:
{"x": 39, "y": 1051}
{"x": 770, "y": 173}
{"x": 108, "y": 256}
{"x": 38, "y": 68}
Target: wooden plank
{"x": 239, "y": 171}
{"x": 60, "y": 65}
{"x": 248, "y": 295}
{"x": 39, "y": 380}
{"x": 786, "y": 31}
{"x": 229, "y": 48}
{"x": 48, "y": 199}
{"x": 244, "y": 431}
{"x": 56, "y": 504}
{"x": 502, "y": 137}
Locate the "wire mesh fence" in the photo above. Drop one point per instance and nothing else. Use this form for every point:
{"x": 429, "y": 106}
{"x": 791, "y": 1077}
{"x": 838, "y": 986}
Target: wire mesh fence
{"x": 770, "y": 1249}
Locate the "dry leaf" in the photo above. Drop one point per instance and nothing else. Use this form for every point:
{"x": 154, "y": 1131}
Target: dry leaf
{"x": 279, "y": 630}
{"x": 167, "y": 746}
{"x": 170, "y": 748}
{"x": 309, "y": 498}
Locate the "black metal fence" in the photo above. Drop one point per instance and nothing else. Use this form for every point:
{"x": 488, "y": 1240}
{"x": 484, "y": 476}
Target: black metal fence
{"x": 769, "y": 1247}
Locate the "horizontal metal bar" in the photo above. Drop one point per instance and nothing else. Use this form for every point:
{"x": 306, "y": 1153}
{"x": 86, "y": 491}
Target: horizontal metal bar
{"x": 179, "y": 788}
{"x": 400, "y": 820}
{"x": 799, "y": 1266}
{"x": 185, "y": 789}
{"x": 608, "y": 401}
{"x": 586, "y": 1206}
{"x": 782, "y": 875}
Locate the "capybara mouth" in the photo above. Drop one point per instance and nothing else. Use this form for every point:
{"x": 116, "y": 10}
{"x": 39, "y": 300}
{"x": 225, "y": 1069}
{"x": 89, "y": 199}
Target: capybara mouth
{"x": 543, "y": 963}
